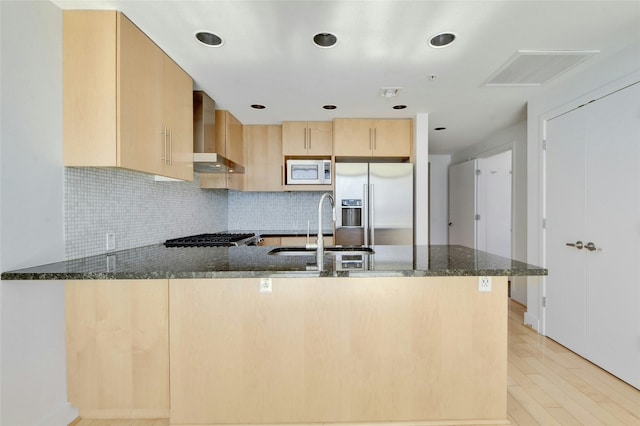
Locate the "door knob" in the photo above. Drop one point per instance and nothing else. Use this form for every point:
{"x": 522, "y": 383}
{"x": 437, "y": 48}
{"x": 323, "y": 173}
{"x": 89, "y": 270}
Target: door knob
{"x": 577, "y": 244}
{"x": 590, "y": 246}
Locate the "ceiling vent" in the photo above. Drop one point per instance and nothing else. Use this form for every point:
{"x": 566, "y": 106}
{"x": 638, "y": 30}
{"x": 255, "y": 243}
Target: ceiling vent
{"x": 534, "y": 68}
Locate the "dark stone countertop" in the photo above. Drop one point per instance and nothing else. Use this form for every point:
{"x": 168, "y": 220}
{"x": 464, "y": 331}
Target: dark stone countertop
{"x": 159, "y": 262}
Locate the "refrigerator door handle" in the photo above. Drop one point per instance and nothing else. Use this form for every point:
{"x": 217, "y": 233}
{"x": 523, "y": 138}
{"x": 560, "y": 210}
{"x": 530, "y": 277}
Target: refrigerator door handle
{"x": 372, "y": 209}
{"x": 365, "y": 213}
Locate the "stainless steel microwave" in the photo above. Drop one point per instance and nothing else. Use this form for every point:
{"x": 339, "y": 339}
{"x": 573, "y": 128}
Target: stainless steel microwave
{"x": 309, "y": 172}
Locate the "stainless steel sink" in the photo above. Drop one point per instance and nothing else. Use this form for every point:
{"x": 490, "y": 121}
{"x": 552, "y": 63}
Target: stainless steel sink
{"x": 328, "y": 251}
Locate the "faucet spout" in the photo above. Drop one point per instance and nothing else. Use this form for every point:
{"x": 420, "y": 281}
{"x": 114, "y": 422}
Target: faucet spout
{"x": 319, "y": 246}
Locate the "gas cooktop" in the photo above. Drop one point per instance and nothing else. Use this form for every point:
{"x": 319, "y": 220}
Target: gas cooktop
{"x": 221, "y": 239}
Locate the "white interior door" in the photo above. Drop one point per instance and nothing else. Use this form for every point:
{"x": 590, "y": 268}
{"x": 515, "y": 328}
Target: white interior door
{"x": 565, "y": 313}
{"x": 593, "y": 196}
{"x": 494, "y": 204}
{"x": 613, "y": 225}
{"x": 462, "y": 204}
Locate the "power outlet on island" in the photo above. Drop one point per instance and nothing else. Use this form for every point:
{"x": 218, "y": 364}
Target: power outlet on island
{"x": 265, "y": 285}
{"x": 484, "y": 284}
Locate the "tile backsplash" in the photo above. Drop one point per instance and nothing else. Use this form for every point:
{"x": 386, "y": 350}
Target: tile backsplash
{"x": 277, "y": 211}
{"x": 136, "y": 209}
{"x": 140, "y": 211}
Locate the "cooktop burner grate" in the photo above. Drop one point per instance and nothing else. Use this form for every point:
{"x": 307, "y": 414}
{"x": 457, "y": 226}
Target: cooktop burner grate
{"x": 212, "y": 240}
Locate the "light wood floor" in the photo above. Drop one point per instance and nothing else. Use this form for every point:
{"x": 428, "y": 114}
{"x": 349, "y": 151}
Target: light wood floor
{"x": 547, "y": 385}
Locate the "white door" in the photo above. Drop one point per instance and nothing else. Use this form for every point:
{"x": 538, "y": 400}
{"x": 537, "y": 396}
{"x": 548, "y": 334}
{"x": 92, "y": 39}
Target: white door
{"x": 613, "y": 225}
{"x": 462, "y": 204}
{"x": 565, "y": 313}
{"x": 593, "y": 196}
{"x": 494, "y": 204}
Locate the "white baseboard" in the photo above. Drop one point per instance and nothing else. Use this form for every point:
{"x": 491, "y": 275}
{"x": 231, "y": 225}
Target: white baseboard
{"x": 532, "y": 320}
{"x": 62, "y": 416}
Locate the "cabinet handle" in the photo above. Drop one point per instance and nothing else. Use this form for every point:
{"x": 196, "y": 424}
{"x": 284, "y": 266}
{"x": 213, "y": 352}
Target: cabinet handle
{"x": 370, "y": 137}
{"x": 305, "y": 138}
{"x": 170, "y": 147}
{"x": 375, "y": 139}
{"x": 309, "y": 130}
{"x": 281, "y": 175}
{"x": 164, "y": 153}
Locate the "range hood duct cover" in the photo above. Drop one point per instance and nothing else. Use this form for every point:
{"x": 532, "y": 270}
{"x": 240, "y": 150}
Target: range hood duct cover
{"x": 205, "y": 159}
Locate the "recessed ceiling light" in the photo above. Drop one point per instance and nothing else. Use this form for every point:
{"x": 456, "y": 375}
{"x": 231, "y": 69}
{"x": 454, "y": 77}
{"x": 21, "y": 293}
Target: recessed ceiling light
{"x": 440, "y": 128}
{"x": 329, "y": 107}
{"x": 258, "y": 106}
{"x": 442, "y": 40}
{"x": 325, "y": 40}
{"x": 209, "y": 39}
{"x": 399, "y": 106}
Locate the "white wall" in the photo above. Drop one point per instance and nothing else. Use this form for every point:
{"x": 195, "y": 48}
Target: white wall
{"x": 604, "y": 75}
{"x": 439, "y": 199}
{"x": 32, "y": 351}
{"x": 514, "y": 138}
{"x": 421, "y": 179}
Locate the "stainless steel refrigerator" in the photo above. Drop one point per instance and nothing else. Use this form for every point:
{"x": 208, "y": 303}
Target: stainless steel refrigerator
{"x": 374, "y": 204}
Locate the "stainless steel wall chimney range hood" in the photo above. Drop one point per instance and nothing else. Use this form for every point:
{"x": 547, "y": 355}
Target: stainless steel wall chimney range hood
{"x": 205, "y": 157}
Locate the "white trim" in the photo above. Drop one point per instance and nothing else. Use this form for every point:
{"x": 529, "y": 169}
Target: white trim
{"x": 62, "y": 416}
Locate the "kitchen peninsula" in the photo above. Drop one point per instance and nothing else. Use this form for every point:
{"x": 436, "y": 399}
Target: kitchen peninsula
{"x": 236, "y": 336}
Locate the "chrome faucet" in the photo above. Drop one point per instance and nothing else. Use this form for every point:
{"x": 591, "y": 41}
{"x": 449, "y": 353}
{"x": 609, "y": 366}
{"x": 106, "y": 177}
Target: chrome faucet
{"x": 319, "y": 245}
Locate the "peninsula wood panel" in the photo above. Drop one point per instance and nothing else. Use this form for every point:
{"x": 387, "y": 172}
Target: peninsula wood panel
{"x": 338, "y": 350}
{"x": 118, "y": 347}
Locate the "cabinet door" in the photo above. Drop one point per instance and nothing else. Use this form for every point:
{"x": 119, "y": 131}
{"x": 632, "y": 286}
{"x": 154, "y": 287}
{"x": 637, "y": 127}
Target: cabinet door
{"x": 118, "y": 347}
{"x": 178, "y": 119}
{"x": 320, "y": 138}
{"x": 352, "y": 137}
{"x": 89, "y": 80}
{"x": 294, "y": 138}
{"x": 141, "y": 142}
{"x": 234, "y": 143}
{"x": 392, "y": 138}
{"x": 263, "y": 148}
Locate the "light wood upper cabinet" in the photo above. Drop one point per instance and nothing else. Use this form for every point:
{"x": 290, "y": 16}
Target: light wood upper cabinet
{"x": 229, "y": 144}
{"x": 307, "y": 138}
{"x": 178, "y": 118}
{"x": 372, "y": 138}
{"x": 126, "y": 104}
{"x": 229, "y": 141}
{"x": 263, "y": 154}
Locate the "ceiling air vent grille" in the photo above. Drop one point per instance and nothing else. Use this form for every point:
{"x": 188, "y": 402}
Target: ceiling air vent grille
{"x": 534, "y": 68}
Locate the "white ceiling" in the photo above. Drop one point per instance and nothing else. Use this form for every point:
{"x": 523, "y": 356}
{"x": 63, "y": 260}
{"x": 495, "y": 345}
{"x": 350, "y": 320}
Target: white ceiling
{"x": 268, "y": 56}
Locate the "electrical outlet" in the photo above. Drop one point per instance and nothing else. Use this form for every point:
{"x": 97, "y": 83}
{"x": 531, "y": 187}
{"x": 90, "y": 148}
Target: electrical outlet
{"x": 111, "y": 241}
{"x": 484, "y": 284}
{"x": 265, "y": 285}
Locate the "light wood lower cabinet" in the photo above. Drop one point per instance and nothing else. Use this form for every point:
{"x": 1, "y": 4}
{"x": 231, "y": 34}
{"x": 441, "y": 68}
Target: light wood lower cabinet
{"x": 338, "y": 350}
{"x": 118, "y": 348}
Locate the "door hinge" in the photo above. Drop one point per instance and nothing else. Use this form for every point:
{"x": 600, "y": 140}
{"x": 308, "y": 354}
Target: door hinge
{"x": 477, "y": 217}
{"x": 544, "y": 223}
{"x": 477, "y": 172}
{"x": 544, "y": 302}
{"x": 544, "y": 144}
